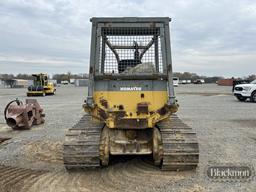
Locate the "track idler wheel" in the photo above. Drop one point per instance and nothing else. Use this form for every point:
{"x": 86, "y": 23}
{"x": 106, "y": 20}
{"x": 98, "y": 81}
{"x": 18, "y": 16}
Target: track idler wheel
{"x": 157, "y": 147}
{"x": 104, "y": 146}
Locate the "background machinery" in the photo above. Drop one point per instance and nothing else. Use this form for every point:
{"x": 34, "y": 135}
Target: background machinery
{"x": 131, "y": 103}
{"x": 41, "y": 86}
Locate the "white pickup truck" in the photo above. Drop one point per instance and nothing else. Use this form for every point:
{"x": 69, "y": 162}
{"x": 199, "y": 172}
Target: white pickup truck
{"x": 246, "y": 91}
{"x": 175, "y": 81}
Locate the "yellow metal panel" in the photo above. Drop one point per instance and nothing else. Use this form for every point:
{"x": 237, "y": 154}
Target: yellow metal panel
{"x": 107, "y": 108}
{"x": 130, "y": 99}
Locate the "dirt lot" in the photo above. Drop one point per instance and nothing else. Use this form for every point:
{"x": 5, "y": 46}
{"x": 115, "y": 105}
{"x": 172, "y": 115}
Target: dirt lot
{"x": 32, "y": 160}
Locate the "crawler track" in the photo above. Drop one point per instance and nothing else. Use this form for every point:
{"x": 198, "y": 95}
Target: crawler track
{"x": 81, "y": 147}
{"x": 180, "y": 145}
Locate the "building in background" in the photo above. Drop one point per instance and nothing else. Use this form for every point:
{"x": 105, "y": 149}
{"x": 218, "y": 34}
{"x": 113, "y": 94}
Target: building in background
{"x": 81, "y": 82}
{"x": 2, "y": 84}
{"x": 72, "y": 81}
{"x": 20, "y": 83}
{"x": 15, "y": 83}
{"x": 225, "y": 82}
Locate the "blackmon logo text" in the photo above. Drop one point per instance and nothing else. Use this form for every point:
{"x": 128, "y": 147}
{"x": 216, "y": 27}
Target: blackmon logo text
{"x": 230, "y": 172}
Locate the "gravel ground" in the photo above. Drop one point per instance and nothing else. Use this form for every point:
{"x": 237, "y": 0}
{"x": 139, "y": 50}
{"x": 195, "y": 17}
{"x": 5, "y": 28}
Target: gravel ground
{"x": 32, "y": 160}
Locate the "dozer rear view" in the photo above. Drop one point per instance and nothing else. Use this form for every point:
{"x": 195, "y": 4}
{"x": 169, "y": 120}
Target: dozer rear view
{"x": 131, "y": 103}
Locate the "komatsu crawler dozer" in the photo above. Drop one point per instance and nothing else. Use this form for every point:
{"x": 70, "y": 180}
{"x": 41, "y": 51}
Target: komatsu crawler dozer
{"x": 131, "y": 102}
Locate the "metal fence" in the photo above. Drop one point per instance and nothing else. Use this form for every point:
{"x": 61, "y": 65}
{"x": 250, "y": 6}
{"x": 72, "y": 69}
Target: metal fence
{"x": 130, "y": 50}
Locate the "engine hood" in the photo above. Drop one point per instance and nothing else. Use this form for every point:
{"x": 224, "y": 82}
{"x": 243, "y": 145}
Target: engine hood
{"x": 245, "y": 85}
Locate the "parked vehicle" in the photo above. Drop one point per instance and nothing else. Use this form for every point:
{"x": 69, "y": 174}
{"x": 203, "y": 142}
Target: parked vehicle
{"x": 238, "y": 82}
{"x": 64, "y": 82}
{"x": 175, "y": 81}
{"x": 184, "y": 81}
{"x": 246, "y": 91}
{"x": 199, "y": 81}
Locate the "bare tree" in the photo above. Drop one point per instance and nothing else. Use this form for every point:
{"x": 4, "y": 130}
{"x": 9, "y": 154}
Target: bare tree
{"x": 9, "y": 82}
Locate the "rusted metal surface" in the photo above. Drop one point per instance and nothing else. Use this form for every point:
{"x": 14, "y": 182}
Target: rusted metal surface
{"x": 102, "y": 114}
{"x": 162, "y": 111}
{"x": 142, "y": 107}
{"x": 121, "y": 107}
{"x": 23, "y": 116}
{"x": 104, "y": 146}
{"x": 118, "y": 114}
{"x": 157, "y": 147}
{"x": 104, "y": 103}
{"x": 132, "y": 123}
{"x": 168, "y": 109}
{"x": 130, "y": 142}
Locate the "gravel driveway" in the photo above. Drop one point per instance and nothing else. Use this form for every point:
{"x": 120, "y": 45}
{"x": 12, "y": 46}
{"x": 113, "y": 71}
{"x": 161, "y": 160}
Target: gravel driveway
{"x": 32, "y": 160}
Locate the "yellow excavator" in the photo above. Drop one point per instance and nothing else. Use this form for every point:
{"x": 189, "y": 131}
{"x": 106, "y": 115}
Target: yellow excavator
{"x": 131, "y": 102}
{"x": 41, "y": 86}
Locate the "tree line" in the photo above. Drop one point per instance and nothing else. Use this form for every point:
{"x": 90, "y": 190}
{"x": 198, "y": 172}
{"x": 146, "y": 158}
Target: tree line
{"x": 67, "y": 76}
{"x": 59, "y": 77}
{"x": 194, "y": 76}
{"x": 213, "y": 79}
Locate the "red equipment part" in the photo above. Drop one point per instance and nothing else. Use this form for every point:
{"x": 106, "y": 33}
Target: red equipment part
{"x": 23, "y": 116}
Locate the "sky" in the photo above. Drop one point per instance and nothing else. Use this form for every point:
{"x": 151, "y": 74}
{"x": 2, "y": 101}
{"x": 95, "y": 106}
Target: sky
{"x": 207, "y": 37}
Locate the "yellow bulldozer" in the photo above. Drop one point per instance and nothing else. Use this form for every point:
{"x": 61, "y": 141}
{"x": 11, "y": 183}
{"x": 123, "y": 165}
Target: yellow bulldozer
{"x": 41, "y": 86}
{"x": 131, "y": 102}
